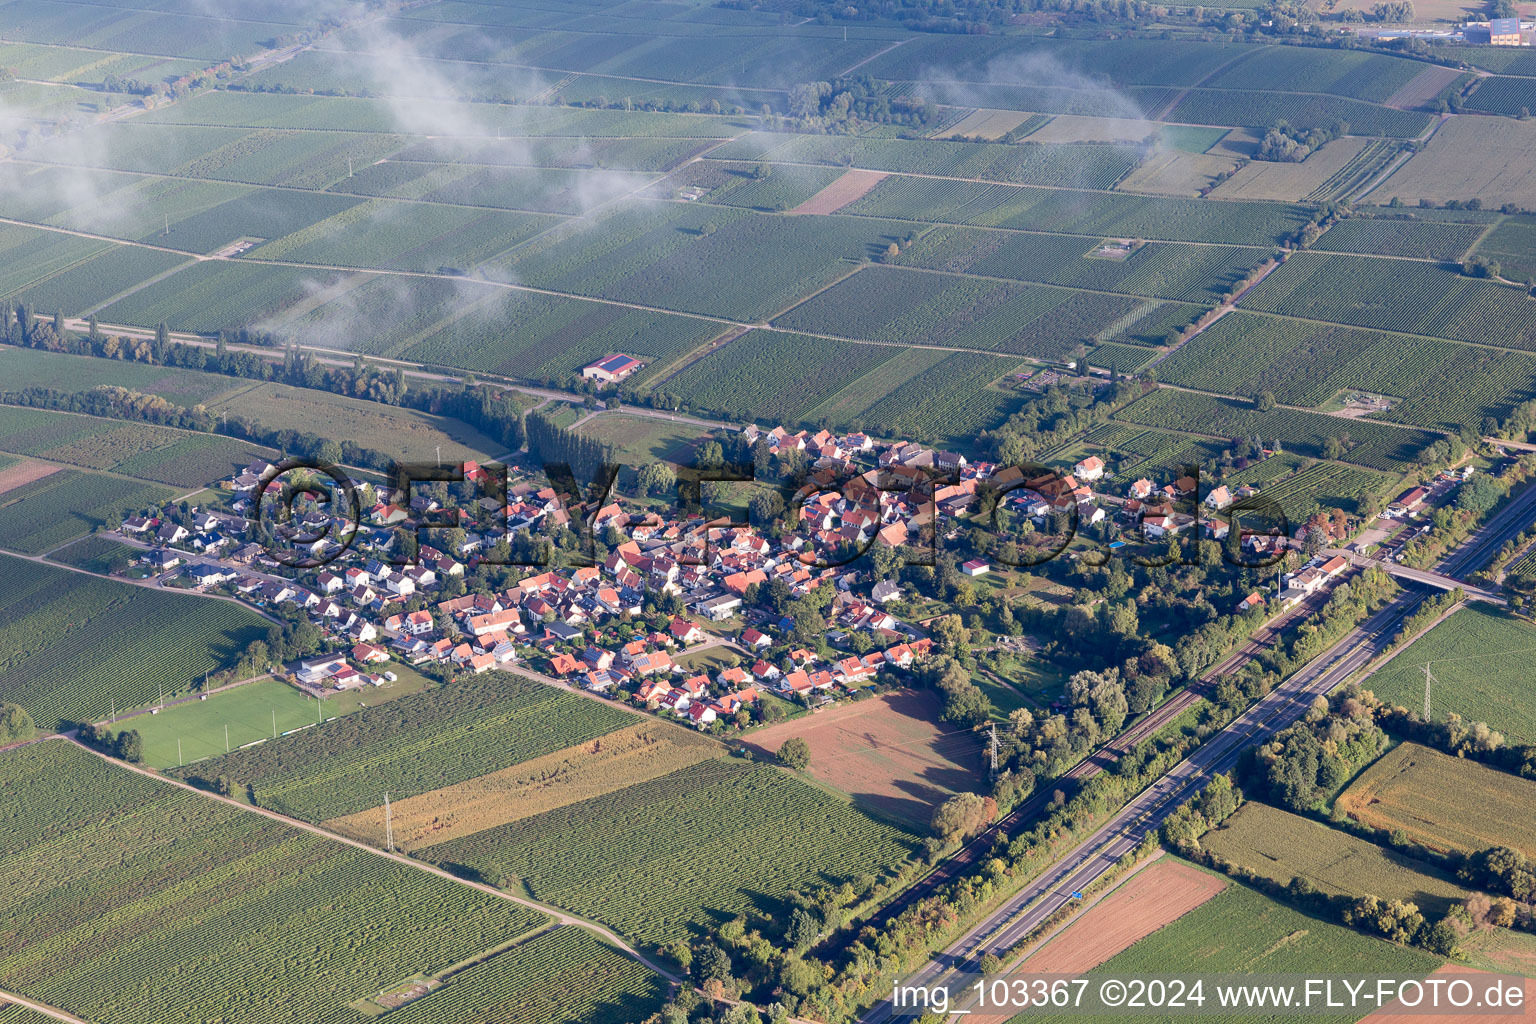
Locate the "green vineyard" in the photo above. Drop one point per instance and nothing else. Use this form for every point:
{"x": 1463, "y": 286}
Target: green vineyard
{"x": 134, "y": 902}
{"x": 761, "y": 831}
{"x": 420, "y": 742}
{"x": 565, "y": 975}
{"x": 75, "y": 646}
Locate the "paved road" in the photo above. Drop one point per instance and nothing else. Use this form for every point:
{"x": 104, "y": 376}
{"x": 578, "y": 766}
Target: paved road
{"x": 1440, "y": 581}
{"x": 1007, "y": 926}
{"x": 1020, "y": 915}
{"x": 1099, "y": 761}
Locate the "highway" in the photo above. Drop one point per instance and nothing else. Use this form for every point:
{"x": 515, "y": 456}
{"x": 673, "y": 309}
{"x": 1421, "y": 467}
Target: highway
{"x": 1005, "y": 927}
{"x": 1098, "y": 761}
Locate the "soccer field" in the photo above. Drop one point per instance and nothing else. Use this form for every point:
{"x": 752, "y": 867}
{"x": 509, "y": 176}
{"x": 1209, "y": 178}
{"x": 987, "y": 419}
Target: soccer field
{"x": 251, "y": 712}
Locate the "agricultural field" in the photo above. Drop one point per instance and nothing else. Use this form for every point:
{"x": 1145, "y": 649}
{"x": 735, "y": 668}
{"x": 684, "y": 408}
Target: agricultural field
{"x": 1280, "y": 846}
{"x": 1302, "y": 487}
{"x": 422, "y": 237}
{"x": 402, "y": 433}
{"x": 1306, "y": 364}
{"x": 412, "y": 745}
{"x": 1254, "y": 109}
{"x": 1175, "y": 173}
{"x": 636, "y": 753}
{"x": 900, "y": 306}
{"x": 1502, "y": 173}
{"x": 565, "y": 974}
{"x": 1503, "y": 95}
{"x": 76, "y": 646}
{"x": 1373, "y": 445}
{"x": 1332, "y": 172}
{"x": 1134, "y": 451}
{"x": 1476, "y": 657}
{"x": 762, "y": 831}
{"x": 890, "y": 753}
{"x": 1240, "y": 930}
{"x": 28, "y": 255}
{"x": 1406, "y": 236}
{"x": 218, "y": 295}
{"x": 1362, "y": 76}
{"x": 195, "y": 731}
{"x": 1446, "y": 803}
{"x": 1081, "y": 166}
{"x": 1397, "y": 295}
{"x": 93, "y": 283}
{"x": 488, "y": 329}
{"x": 41, "y": 515}
{"x": 136, "y": 902}
{"x": 1120, "y": 359}
{"x": 668, "y": 255}
{"x": 780, "y": 377}
{"x": 179, "y": 458}
{"x": 95, "y": 554}
{"x": 988, "y": 124}
{"x": 1158, "y": 270}
{"x": 1512, "y": 243}
{"x": 1097, "y": 214}
{"x": 1151, "y": 899}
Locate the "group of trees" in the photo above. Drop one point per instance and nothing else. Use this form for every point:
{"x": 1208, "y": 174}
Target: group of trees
{"x": 15, "y": 723}
{"x": 126, "y": 745}
{"x": 1311, "y": 760}
{"x": 492, "y": 412}
{"x": 1285, "y": 143}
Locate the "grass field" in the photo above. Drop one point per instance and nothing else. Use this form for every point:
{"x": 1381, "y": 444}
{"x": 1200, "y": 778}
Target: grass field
{"x": 1281, "y": 846}
{"x": 402, "y": 433}
{"x": 75, "y": 644}
{"x": 413, "y": 744}
{"x": 1478, "y": 658}
{"x": 249, "y": 712}
{"x": 1445, "y": 803}
{"x": 111, "y": 876}
{"x": 761, "y": 831}
{"x": 30, "y": 368}
{"x": 642, "y": 439}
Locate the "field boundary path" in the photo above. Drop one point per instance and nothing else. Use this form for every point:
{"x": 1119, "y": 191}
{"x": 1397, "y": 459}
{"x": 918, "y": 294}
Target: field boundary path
{"x": 43, "y": 1008}
{"x": 559, "y": 915}
{"x": 850, "y": 69}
